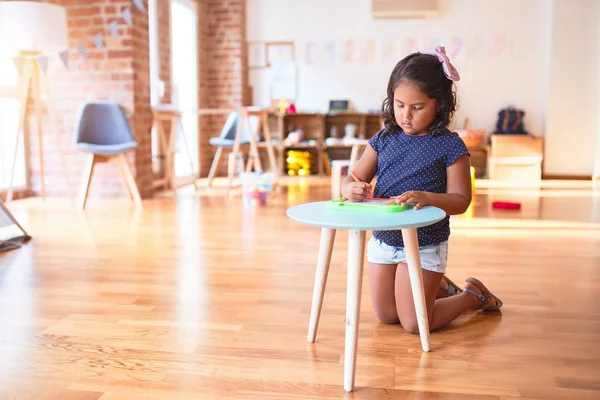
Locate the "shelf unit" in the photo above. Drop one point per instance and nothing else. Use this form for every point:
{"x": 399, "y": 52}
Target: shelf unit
{"x": 317, "y": 128}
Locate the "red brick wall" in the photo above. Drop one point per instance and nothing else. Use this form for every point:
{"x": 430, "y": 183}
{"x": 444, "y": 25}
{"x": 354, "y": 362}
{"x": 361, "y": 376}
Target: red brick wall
{"x": 120, "y": 73}
{"x": 223, "y": 70}
{"x": 164, "y": 45}
{"x": 207, "y": 125}
{"x": 142, "y": 117}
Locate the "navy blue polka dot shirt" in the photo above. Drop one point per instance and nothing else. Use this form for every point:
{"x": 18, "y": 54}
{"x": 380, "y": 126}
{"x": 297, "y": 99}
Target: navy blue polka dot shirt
{"x": 418, "y": 163}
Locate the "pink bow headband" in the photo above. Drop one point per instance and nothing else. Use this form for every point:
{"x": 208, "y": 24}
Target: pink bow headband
{"x": 449, "y": 70}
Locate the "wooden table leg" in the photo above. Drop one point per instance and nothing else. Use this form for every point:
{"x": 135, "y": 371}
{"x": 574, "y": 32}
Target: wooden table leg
{"x": 356, "y": 253}
{"x": 323, "y": 262}
{"x": 411, "y": 246}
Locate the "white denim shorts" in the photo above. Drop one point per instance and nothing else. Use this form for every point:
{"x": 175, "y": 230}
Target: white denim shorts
{"x": 433, "y": 258}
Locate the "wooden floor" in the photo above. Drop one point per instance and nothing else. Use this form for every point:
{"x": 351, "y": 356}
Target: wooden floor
{"x": 196, "y": 298}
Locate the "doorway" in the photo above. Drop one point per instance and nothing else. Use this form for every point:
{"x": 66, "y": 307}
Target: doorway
{"x": 184, "y": 80}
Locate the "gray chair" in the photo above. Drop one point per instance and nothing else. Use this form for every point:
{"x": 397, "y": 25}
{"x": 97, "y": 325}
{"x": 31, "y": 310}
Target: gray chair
{"x": 226, "y": 140}
{"x": 104, "y": 132}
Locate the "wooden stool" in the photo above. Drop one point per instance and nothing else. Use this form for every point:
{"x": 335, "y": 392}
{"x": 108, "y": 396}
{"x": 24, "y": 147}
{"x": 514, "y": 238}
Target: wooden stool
{"x": 167, "y": 113}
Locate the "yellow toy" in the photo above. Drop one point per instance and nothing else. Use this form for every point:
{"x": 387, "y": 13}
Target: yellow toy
{"x": 298, "y": 162}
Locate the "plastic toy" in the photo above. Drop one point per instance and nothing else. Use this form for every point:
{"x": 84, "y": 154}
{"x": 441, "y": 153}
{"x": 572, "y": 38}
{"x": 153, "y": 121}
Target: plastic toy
{"x": 256, "y": 188}
{"x": 298, "y": 162}
{"x": 506, "y": 205}
{"x": 368, "y": 206}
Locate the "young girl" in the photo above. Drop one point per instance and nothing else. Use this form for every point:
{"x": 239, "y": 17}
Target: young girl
{"x": 418, "y": 161}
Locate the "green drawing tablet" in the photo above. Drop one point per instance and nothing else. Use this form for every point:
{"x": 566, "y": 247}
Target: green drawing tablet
{"x": 366, "y": 206}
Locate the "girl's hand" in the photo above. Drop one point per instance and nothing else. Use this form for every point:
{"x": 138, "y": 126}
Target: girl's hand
{"x": 356, "y": 191}
{"x": 419, "y": 199}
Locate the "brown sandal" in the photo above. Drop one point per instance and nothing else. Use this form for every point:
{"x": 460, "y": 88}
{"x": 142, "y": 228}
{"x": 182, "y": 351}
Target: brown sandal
{"x": 484, "y": 297}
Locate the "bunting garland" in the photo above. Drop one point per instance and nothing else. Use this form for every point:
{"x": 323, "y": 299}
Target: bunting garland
{"x": 97, "y": 40}
{"x": 64, "y": 56}
{"x": 127, "y": 16}
{"x": 43, "y": 61}
{"x": 139, "y": 4}
{"x": 82, "y": 50}
{"x": 112, "y": 28}
{"x": 18, "y": 61}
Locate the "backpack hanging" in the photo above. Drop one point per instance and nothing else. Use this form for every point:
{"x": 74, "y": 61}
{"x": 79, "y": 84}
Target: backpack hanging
{"x": 510, "y": 120}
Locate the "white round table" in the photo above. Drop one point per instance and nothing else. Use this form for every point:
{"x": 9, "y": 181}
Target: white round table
{"x": 330, "y": 220}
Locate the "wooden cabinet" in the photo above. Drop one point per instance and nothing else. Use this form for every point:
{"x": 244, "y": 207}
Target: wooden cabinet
{"x": 516, "y": 158}
{"x": 316, "y": 129}
{"x": 312, "y": 127}
{"x": 479, "y": 160}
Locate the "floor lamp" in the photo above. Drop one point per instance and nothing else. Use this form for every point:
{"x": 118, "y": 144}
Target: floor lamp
{"x": 34, "y": 31}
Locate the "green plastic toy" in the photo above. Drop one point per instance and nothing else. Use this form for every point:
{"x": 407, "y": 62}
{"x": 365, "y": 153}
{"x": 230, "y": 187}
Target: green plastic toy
{"x": 366, "y": 206}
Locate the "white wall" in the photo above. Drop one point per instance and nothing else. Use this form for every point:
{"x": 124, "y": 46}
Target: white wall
{"x": 573, "y": 95}
{"x": 487, "y": 82}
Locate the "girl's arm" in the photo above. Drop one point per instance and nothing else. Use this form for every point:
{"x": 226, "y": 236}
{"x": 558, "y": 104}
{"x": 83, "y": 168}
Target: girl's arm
{"x": 457, "y": 198}
{"x": 365, "y": 170}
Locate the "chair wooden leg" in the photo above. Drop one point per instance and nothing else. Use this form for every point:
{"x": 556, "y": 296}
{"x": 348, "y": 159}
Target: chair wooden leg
{"x": 170, "y": 156}
{"x": 231, "y": 166}
{"x": 250, "y": 162}
{"x": 255, "y": 157}
{"x": 119, "y": 165}
{"x": 253, "y": 151}
{"x": 185, "y": 143}
{"x": 235, "y": 152}
{"x": 214, "y": 166}
{"x": 129, "y": 179}
{"x": 270, "y": 150}
{"x": 86, "y": 180}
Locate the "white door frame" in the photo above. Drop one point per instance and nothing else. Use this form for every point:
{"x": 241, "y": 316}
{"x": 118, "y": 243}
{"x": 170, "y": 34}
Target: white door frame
{"x": 183, "y": 180}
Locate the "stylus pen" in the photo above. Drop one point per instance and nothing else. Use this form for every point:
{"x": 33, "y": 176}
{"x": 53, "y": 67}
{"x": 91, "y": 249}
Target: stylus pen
{"x": 357, "y": 179}
{"x": 369, "y": 195}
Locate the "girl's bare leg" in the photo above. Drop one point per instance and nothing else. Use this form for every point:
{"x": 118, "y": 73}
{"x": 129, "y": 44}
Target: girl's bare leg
{"x": 381, "y": 282}
{"x": 440, "y": 311}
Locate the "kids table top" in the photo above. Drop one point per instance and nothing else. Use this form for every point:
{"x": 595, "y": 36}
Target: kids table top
{"x": 318, "y": 214}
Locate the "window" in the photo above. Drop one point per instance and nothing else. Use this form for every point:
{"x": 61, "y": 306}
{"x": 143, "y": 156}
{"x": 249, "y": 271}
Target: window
{"x": 155, "y": 82}
{"x": 9, "y": 124}
{"x": 184, "y": 79}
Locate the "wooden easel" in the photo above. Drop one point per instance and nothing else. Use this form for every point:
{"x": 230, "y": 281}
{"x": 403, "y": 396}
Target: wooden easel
{"x": 167, "y": 145}
{"x": 254, "y": 144}
{"x": 254, "y": 157}
{"x": 32, "y": 77}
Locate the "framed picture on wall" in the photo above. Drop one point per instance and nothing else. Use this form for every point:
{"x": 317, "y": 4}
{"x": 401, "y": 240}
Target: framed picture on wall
{"x": 279, "y": 53}
{"x": 257, "y": 55}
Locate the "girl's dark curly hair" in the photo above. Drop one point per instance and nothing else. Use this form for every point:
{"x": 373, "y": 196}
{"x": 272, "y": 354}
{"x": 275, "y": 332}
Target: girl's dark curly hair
{"x": 426, "y": 72}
